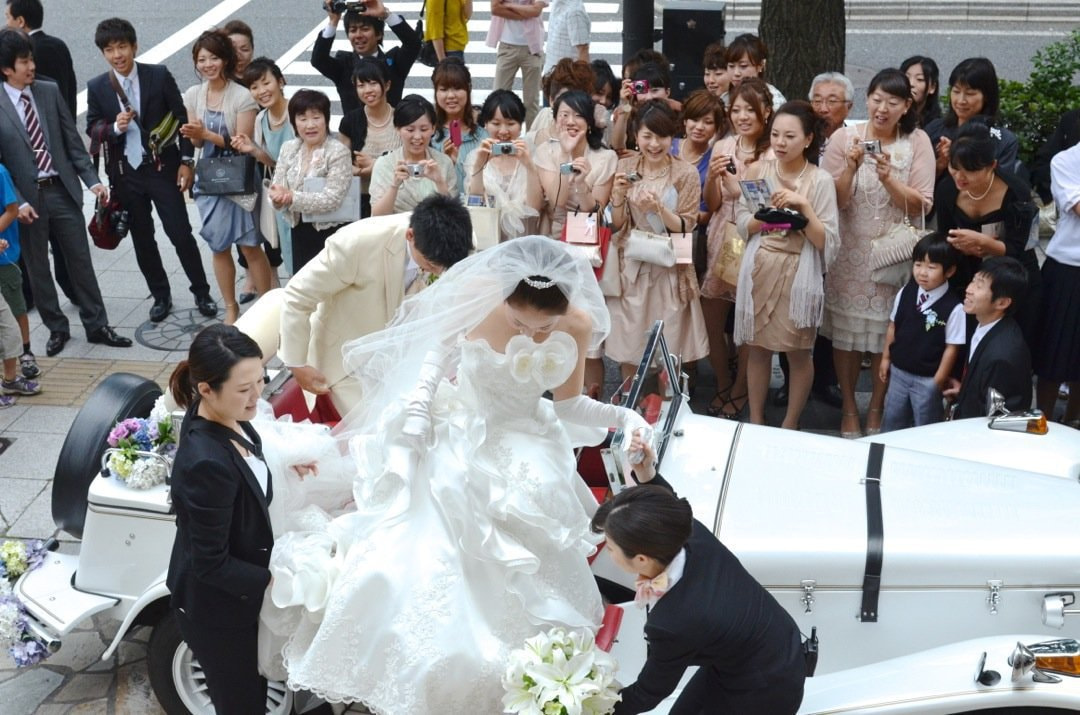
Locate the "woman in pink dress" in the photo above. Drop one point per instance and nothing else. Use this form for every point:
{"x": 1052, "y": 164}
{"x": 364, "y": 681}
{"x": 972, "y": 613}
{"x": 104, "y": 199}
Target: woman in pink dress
{"x": 873, "y": 191}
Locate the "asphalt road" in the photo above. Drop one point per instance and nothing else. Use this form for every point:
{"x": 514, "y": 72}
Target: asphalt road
{"x": 280, "y": 24}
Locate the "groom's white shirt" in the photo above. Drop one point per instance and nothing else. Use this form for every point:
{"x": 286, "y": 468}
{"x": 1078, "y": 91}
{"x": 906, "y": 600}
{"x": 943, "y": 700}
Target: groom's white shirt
{"x": 352, "y": 288}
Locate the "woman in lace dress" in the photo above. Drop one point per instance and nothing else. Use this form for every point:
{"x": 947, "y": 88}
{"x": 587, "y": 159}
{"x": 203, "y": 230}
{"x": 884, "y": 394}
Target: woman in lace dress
{"x": 873, "y": 192}
{"x": 502, "y": 166}
{"x": 663, "y": 199}
{"x": 472, "y": 527}
{"x": 314, "y": 154}
{"x": 779, "y": 302}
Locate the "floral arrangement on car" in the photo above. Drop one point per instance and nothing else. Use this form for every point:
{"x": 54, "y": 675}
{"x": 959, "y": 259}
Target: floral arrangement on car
{"x": 560, "y": 672}
{"x": 16, "y": 558}
{"x": 141, "y": 449}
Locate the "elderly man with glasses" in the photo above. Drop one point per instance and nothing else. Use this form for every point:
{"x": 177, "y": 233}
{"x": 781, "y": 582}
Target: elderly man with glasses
{"x": 831, "y": 95}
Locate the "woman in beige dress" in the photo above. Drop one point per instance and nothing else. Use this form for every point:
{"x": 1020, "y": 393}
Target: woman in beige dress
{"x": 663, "y": 198}
{"x": 748, "y": 142}
{"x": 872, "y": 191}
{"x": 403, "y": 177}
{"x": 780, "y": 297}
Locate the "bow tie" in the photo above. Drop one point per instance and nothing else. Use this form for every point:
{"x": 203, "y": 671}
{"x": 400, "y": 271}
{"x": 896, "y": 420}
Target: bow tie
{"x": 649, "y": 589}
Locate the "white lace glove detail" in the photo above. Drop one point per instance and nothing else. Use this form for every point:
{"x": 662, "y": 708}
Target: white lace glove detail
{"x": 586, "y": 411}
{"x": 417, "y": 410}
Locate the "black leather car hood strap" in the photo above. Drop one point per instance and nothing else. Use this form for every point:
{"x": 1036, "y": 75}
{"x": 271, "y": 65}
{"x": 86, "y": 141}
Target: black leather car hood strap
{"x": 875, "y": 536}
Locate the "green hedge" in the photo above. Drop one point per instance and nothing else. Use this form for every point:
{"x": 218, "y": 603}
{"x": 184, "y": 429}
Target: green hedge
{"x": 1032, "y": 108}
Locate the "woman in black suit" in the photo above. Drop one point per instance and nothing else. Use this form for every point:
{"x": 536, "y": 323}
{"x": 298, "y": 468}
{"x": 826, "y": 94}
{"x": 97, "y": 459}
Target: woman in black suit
{"x": 220, "y": 491}
{"x": 704, "y": 610}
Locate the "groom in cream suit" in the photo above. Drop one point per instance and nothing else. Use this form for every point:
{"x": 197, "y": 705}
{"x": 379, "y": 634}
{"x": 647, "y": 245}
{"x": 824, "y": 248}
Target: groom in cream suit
{"x": 356, "y": 283}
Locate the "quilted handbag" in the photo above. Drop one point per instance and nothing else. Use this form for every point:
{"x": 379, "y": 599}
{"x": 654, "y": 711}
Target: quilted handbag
{"x": 890, "y": 253}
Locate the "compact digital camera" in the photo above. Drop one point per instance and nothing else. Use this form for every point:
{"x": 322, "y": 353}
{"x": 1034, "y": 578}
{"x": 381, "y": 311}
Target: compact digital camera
{"x": 505, "y": 148}
{"x": 640, "y": 86}
{"x": 415, "y": 169}
{"x": 871, "y": 146}
{"x": 567, "y": 168}
{"x": 633, "y": 177}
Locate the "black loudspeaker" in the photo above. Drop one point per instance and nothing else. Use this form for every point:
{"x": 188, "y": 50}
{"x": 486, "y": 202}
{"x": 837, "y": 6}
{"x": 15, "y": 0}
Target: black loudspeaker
{"x": 689, "y": 26}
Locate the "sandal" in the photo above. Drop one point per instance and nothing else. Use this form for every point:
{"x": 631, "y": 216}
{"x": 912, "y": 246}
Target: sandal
{"x": 738, "y": 411}
{"x": 874, "y": 430}
{"x": 716, "y": 405}
{"x": 849, "y": 435}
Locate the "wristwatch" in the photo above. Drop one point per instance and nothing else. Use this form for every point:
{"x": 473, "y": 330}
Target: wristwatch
{"x": 188, "y": 162}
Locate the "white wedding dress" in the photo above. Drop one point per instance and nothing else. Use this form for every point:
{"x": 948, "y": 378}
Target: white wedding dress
{"x": 453, "y": 557}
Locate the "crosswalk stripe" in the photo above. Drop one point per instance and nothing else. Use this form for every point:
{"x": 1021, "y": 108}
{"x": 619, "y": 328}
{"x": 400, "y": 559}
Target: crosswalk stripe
{"x": 606, "y": 43}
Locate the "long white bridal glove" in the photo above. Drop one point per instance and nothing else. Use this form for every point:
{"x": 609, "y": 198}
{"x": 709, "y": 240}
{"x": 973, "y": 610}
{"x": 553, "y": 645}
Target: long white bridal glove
{"x": 586, "y": 411}
{"x": 418, "y": 404}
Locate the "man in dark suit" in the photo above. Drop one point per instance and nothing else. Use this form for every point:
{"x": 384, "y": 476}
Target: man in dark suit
{"x": 138, "y": 175}
{"x": 365, "y": 32}
{"x": 704, "y": 610}
{"x": 53, "y": 63}
{"x": 998, "y": 355}
{"x": 46, "y": 157}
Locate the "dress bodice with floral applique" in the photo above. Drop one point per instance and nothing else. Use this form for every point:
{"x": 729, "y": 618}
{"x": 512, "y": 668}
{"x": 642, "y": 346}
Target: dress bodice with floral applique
{"x": 511, "y": 383}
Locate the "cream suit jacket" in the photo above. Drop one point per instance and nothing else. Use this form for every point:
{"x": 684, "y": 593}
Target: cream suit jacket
{"x": 352, "y": 288}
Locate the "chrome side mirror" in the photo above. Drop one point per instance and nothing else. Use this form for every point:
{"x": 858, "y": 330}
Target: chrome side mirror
{"x": 1022, "y": 661}
{"x": 1055, "y": 606}
{"x": 995, "y": 404}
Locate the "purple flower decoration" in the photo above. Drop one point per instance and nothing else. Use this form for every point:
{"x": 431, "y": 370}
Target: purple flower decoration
{"x": 118, "y": 433}
{"x": 28, "y": 652}
{"x": 35, "y": 554}
{"x": 3, "y": 570}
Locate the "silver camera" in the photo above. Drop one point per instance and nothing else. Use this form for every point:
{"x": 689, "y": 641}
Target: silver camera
{"x": 633, "y": 177}
{"x": 871, "y": 146}
{"x": 504, "y": 148}
{"x": 566, "y": 168}
{"x": 415, "y": 170}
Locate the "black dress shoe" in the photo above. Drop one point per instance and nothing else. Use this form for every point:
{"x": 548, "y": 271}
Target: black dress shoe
{"x": 160, "y": 309}
{"x": 780, "y": 399}
{"x": 57, "y": 340}
{"x": 206, "y": 306}
{"x": 107, "y": 336}
{"x": 829, "y": 395}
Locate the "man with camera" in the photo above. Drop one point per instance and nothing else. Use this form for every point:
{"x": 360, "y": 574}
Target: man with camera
{"x": 128, "y": 108}
{"x": 365, "y": 21}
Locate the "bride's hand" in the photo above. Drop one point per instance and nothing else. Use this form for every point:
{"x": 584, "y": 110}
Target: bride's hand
{"x": 302, "y": 470}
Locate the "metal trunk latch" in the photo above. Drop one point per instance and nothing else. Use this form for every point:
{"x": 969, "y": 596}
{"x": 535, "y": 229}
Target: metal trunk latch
{"x": 807, "y": 599}
{"x": 993, "y": 599}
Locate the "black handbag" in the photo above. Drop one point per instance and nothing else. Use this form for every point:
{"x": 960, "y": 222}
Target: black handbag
{"x": 428, "y": 56}
{"x": 227, "y": 175}
{"x": 789, "y": 217}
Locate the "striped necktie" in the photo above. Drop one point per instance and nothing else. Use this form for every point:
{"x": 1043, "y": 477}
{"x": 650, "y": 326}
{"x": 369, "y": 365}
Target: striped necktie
{"x": 923, "y": 296}
{"x": 37, "y": 137}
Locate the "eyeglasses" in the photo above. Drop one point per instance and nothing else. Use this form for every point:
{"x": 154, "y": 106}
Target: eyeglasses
{"x": 831, "y": 102}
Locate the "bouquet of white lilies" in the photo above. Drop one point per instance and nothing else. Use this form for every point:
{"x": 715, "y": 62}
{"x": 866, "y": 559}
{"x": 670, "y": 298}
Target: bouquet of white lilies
{"x": 560, "y": 673}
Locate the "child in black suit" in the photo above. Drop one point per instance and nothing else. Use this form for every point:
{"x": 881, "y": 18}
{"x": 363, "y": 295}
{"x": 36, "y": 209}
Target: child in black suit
{"x": 704, "y": 610}
{"x": 927, "y": 330}
{"x": 998, "y": 355}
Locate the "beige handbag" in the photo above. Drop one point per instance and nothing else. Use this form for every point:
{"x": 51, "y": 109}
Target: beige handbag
{"x": 611, "y": 276}
{"x": 665, "y": 250}
{"x": 890, "y": 253}
{"x": 732, "y": 248}
{"x": 485, "y": 226}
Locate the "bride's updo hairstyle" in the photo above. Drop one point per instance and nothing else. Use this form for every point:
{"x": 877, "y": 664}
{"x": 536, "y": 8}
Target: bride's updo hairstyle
{"x": 539, "y": 293}
{"x": 214, "y": 352}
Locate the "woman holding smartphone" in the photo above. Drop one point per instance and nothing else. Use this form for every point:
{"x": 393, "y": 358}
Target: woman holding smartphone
{"x": 369, "y": 129}
{"x": 456, "y": 132}
{"x": 502, "y": 166}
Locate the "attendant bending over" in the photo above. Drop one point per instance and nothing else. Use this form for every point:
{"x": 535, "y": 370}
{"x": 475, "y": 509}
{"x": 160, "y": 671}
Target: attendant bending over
{"x": 705, "y": 609}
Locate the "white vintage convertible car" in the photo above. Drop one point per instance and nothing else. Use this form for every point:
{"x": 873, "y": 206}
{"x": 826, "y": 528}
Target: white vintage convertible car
{"x": 939, "y": 569}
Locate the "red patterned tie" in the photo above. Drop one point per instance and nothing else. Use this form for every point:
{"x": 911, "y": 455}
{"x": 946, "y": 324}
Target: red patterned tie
{"x": 37, "y": 137}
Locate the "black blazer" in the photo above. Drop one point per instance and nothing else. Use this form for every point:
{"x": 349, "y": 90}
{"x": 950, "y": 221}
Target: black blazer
{"x": 1001, "y": 361}
{"x": 339, "y": 67}
{"x": 716, "y": 616}
{"x": 158, "y": 95}
{"x": 219, "y": 567}
{"x": 53, "y": 60}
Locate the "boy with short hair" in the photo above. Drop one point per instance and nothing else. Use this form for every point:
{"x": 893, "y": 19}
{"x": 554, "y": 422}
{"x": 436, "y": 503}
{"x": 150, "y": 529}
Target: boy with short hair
{"x": 14, "y": 326}
{"x": 998, "y": 356}
{"x": 926, "y": 331}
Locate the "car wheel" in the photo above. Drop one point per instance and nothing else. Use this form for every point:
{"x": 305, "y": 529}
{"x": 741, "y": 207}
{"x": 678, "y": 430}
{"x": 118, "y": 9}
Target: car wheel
{"x": 119, "y": 396}
{"x": 178, "y": 680}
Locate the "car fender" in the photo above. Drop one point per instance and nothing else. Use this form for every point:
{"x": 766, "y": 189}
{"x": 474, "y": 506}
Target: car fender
{"x": 151, "y": 595}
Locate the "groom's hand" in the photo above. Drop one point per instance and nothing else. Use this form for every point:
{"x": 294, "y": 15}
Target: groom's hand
{"x": 311, "y": 379}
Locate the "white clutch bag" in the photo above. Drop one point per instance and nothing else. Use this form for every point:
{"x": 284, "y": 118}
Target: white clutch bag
{"x": 347, "y": 212}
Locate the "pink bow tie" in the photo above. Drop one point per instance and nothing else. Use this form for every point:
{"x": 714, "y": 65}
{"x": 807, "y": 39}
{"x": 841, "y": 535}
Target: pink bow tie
{"x": 650, "y": 589}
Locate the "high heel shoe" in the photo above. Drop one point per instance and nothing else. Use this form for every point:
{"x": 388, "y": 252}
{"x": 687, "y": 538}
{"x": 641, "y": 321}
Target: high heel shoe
{"x": 873, "y": 430}
{"x": 849, "y": 435}
{"x": 719, "y": 400}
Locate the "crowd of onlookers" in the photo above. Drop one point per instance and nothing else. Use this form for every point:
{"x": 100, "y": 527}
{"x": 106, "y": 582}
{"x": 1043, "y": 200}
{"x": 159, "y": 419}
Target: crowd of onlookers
{"x": 579, "y": 153}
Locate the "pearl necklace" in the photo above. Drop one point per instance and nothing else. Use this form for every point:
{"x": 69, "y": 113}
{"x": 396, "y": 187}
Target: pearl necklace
{"x": 276, "y": 122}
{"x": 982, "y": 196}
{"x": 739, "y": 146}
{"x": 684, "y": 149}
{"x": 371, "y": 122}
{"x": 796, "y": 179}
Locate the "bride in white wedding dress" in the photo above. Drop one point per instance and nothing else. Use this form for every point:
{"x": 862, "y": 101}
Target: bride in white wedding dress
{"x": 471, "y": 528}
